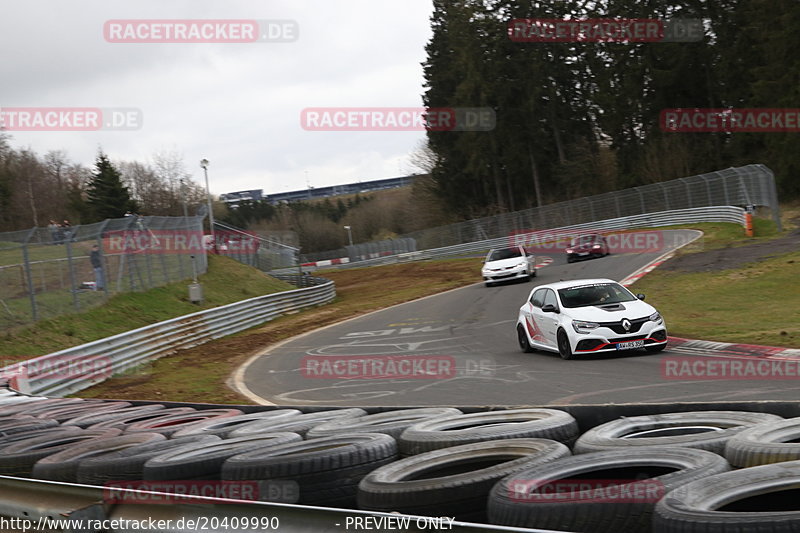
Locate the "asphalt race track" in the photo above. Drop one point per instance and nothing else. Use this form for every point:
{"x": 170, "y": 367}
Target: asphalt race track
{"x": 469, "y": 333}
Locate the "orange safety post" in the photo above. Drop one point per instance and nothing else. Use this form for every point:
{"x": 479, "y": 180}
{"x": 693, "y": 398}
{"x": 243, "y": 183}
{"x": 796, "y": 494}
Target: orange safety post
{"x": 748, "y": 224}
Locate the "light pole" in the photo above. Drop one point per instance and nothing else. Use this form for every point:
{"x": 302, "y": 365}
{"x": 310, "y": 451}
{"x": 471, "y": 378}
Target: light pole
{"x": 204, "y": 166}
{"x": 349, "y": 234}
{"x": 183, "y": 196}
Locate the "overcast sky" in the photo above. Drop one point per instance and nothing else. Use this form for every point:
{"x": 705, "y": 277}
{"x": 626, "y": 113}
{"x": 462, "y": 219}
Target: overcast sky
{"x": 236, "y": 104}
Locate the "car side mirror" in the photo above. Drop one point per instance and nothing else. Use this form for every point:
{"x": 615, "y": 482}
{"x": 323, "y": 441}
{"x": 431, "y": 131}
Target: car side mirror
{"x": 640, "y": 296}
{"x": 549, "y": 308}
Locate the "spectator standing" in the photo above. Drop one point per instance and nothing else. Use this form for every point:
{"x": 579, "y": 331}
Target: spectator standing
{"x": 97, "y": 265}
{"x": 53, "y": 228}
{"x": 66, "y": 228}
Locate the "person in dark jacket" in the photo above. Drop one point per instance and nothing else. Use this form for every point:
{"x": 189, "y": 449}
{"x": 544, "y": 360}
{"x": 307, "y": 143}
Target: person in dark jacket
{"x": 97, "y": 265}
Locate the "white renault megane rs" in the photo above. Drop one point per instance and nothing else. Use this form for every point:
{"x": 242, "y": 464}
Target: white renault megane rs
{"x": 588, "y": 316}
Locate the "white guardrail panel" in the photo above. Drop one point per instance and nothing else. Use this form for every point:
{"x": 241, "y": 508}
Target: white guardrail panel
{"x": 71, "y": 370}
{"x": 726, "y": 213}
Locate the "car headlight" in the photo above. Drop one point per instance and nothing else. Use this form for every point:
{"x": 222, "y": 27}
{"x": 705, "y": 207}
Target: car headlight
{"x": 522, "y": 264}
{"x": 569, "y": 250}
{"x": 656, "y": 317}
{"x": 584, "y": 327}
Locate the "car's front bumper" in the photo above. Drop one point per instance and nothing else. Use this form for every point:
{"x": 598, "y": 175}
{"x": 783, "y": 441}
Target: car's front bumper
{"x": 505, "y": 275}
{"x": 609, "y": 341}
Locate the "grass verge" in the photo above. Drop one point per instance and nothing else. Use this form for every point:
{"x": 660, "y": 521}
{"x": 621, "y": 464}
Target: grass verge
{"x": 226, "y": 282}
{"x": 756, "y": 304}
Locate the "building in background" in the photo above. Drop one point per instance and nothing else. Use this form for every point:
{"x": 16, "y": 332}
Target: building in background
{"x": 233, "y": 199}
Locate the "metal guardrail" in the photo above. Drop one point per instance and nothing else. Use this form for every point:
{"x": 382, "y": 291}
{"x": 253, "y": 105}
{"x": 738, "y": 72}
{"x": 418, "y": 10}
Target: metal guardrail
{"x": 49, "y": 505}
{"x": 725, "y": 213}
{"x": 71, "y": 370}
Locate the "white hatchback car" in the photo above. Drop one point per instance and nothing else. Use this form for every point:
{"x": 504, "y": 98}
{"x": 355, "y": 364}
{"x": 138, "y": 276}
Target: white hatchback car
{"x": 588, "y": 316}
{"x": 504, "y": 264}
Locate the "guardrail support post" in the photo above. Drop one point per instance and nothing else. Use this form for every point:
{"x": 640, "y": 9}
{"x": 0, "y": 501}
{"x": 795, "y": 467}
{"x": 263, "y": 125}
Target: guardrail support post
{"x": 29, "y": 281}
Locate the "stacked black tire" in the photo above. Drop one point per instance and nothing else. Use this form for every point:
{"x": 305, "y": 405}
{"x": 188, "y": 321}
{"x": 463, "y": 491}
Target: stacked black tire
{"x": 710, "y": 472}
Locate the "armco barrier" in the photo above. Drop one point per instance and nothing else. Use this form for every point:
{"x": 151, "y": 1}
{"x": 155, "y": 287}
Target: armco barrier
{"x": 71, "y": 370}
{"x": 724, "y": 213}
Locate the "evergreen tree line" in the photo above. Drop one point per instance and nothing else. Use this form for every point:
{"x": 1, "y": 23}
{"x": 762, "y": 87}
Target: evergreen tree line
{"x": 35, "y": 189}
{"x": 582, "y": 118}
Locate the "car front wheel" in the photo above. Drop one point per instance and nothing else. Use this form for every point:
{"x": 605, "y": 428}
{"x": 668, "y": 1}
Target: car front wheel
{"x": 564, "y": 349}
{"x": 522, "y": 338}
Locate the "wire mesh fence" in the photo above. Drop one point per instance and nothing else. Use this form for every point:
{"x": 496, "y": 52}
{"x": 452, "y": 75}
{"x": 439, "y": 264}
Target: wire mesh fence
{"x": 251, "y": 249}
{"x": 741, "y": 186}
{"x": 53, "y": 270}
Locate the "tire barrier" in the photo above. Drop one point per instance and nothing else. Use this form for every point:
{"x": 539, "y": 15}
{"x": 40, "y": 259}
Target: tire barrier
{"x": 667, "y": 472}
{"x": 452, "y": 481}
{"x": 18, "y": 458}
{"x": 130, "y": 418}
{"x": 63, "y": 465}
{"x": 706, "y": 430}
{"x": 477, "y": 427}
{"x": 223, "y": 426}
{"x": 128, "y": 464}
{"x": 299, "y": 424}
{"x": 326, "y": 470}
{"x": 770, "y": 442}
{"x": 93, "y": 417}
{"x": 604, "y": 492}
{"x": 391, "y": 423}
{"x": 759, "y": 498}
{"x": 190, "y": 462}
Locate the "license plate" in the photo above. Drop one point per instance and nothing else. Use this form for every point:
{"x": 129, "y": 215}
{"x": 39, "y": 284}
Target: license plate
{"x": 630, "y": 345}
{"x": 583, "y": 253}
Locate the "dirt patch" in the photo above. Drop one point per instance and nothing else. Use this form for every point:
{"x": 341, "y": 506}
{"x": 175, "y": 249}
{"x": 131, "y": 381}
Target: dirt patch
{"x": 732, "y": 257}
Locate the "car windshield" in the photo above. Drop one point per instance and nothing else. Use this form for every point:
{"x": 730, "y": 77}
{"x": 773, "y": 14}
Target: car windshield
{"x": 584, "y": 239}
{"x": 505, "y": 253}
{"x": 595, "y": 294}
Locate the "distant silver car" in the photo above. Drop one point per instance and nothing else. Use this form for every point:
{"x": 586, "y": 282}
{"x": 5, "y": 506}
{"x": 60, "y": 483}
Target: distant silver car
{"x": 505, "y": 264}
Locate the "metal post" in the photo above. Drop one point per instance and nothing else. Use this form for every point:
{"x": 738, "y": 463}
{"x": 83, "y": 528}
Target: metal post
{"x": 641, "y": 200}
{"x": 688, "y": 192}
{"x": 72, "y": 280}
{"x": 103, "y": 261}
{"x": 204, "y": 164}
{"x": 773, "y": 198}
{"x": 183, "y": 195}
{"x": 29, "y": 279}
{"x": 725, "y": 189}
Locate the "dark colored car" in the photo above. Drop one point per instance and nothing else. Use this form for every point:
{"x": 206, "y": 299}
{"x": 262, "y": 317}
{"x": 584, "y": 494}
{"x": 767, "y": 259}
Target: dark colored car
{"x": 587, "y": 247}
